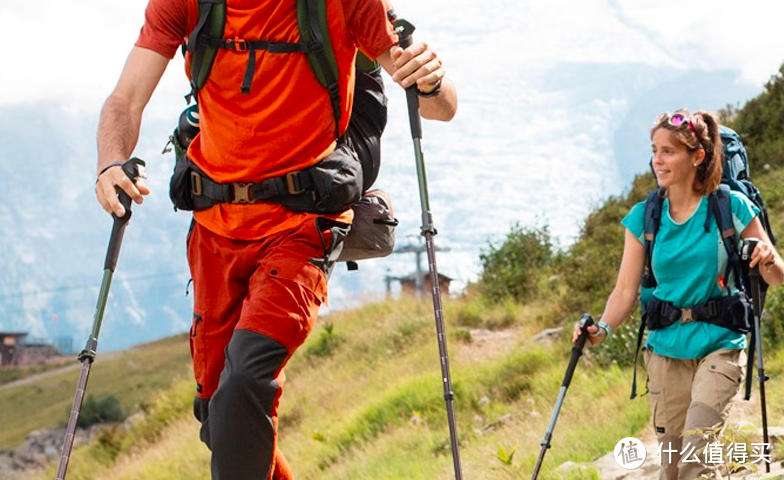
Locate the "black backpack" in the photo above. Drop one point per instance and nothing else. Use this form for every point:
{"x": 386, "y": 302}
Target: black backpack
{"x": 735, "y": 177}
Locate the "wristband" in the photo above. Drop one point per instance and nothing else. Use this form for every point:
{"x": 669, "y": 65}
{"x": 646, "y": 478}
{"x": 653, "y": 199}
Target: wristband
{"x": 432, "y": 93}
{"x": 606, "y": 328}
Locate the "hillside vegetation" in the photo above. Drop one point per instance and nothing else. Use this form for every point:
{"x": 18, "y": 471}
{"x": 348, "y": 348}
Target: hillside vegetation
{"x": 363, "y": 398}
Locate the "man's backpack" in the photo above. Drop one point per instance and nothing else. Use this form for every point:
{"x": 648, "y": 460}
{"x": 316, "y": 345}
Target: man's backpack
{"x": 735, "y": 177}
{"x": 360, "y": 142}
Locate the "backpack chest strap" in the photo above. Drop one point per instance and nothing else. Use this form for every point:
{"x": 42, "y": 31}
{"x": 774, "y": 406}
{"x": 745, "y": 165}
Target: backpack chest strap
{"x": 251, "y": 46}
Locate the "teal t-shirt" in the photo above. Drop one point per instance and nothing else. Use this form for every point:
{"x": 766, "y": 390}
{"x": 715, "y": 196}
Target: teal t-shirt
{"x": 689, "y": 264}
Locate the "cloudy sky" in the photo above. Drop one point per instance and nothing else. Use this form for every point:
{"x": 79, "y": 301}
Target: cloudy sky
{"x": 73, "y": 51}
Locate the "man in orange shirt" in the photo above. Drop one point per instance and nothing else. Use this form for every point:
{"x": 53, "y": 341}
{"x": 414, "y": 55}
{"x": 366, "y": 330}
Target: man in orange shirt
{"x": 259, "y": 269}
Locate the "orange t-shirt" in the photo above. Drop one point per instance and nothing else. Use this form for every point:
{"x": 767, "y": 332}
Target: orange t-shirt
{"x": 286, "y": 123}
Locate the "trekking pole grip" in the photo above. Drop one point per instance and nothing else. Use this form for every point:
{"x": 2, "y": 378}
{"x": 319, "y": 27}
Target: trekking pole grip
{"x": 749, "y": 244}
{"x": 404, "y": 29}
{"x": 585, "y": 321}
{"x": 134, "y": 168}
{"x": 577, "y": 349}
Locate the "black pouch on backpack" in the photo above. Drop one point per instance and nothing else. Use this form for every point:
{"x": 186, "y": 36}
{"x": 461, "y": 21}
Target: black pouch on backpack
{"x": 336, "y": 184}
{"x": 180, "y": 183}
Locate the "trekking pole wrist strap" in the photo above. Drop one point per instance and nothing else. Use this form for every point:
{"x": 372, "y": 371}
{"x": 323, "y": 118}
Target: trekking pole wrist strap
{"x": 104, "y": 169}
{"x": 432, "y": 93}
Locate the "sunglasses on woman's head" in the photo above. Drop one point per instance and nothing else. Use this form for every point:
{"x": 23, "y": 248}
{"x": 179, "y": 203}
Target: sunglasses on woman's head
{"x": 677, "y": 120}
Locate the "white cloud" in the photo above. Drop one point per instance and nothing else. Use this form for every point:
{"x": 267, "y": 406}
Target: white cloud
{"x": 69, "y": 52}
{"x": 73, "y": 53}
{"x": 713, "y": 34}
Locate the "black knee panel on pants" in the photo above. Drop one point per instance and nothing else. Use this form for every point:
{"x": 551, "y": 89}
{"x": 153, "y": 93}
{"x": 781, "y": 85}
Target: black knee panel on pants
{"x": 236, "y": 425}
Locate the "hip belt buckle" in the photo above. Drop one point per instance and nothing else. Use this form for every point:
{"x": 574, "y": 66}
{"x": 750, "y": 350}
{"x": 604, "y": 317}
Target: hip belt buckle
{"x": 293, "y": 183}
{"x": 686, "y": 316}
{"x": 241, "y": 193}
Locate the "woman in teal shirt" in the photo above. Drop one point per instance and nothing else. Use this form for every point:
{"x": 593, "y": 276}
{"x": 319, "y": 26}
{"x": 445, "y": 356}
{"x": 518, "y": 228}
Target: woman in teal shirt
{"x": 695, "y": 368}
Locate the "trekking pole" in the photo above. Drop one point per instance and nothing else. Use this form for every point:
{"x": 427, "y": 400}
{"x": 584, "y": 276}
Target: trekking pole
{"x": 134, "y": 169}
{"x": 577, "y": 350}
{"x": 404, "y": 30}
{"x": 756, "y": 299}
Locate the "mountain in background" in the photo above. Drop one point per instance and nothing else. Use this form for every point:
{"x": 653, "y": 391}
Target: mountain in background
{"x": 543, "y": 147}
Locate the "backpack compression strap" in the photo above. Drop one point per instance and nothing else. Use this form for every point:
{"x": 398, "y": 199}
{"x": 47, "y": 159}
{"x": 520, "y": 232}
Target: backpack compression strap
{"x": 314, "y": 35}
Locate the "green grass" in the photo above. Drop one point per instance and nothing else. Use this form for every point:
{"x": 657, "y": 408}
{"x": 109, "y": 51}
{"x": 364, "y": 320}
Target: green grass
{"x": 132, "y": 376}
{"x": 365, "y": 413}
{"x": 371, "y": 405}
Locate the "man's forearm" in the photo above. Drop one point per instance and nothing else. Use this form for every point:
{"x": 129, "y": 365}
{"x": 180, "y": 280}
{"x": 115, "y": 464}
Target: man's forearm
{"x": 118, "y": 132}
{"x": 442, "y": 106}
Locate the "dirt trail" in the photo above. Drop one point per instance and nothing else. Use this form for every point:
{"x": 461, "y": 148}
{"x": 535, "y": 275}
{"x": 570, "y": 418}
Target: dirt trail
{"x": 55, "y": 371}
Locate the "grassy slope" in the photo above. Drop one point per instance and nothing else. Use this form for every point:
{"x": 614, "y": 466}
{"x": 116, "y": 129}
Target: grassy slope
{"x": 373, "y": 409}
{"x": 132, "y": 376}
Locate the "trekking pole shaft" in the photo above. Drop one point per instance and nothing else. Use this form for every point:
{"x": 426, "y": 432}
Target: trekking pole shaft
{"x": 72, "y": 419}
{"x": 577, "y": 351}
{"x": 756, "y": 296}
{"x": 545, "y": 443}
{"x": 404, "y": 30}
{"x": 446, "y": 376}
{"x": 424, "y": 197}
{"x": 87, "y": 355}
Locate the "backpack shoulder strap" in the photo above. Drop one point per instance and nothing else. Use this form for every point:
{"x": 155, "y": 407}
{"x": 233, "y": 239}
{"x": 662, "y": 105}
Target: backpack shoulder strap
{"x": 651, "y": 222}
{"x": 720, "y": 205}
{"x": 314, "y": 34}
{"x": 211, "y": 22}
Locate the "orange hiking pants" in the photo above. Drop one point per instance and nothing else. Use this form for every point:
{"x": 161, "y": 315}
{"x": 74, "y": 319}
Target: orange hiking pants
{"x": 255, "y": 302}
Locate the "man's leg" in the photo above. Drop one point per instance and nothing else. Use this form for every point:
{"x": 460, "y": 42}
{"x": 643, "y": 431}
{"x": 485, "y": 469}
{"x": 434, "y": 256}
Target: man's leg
{"x": 220, "y": 280}
{"x": 284, "y": 293}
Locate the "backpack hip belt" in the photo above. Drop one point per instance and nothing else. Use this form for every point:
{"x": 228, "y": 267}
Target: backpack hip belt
{"x": 730, "y": 311}
{"x": 206, "y": 192}
{"x": 330, "y": 186}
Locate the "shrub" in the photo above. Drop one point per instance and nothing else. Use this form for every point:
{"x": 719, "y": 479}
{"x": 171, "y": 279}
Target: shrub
{"x": 326, "y": 343}
{"x": 93, "y": 411}
{"x": 511, "y": 270}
